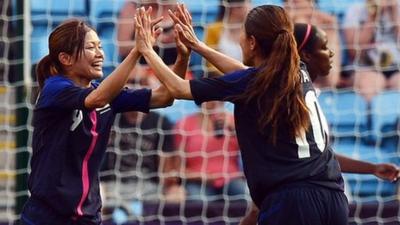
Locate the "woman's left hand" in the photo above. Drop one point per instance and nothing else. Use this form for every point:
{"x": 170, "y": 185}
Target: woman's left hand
{"x": 387, "y": 171}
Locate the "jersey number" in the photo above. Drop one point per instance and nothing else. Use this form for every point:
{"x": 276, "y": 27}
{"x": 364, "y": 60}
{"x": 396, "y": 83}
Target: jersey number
{"x": 319, "y": 128}
{"x": 77, "y": 118}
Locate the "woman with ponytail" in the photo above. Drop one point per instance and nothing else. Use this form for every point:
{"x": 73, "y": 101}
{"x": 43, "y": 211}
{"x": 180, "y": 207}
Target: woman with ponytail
{"x": 72, "y": 122}
{"x": 289, "y": 166}
{"x": 317, "y": 56}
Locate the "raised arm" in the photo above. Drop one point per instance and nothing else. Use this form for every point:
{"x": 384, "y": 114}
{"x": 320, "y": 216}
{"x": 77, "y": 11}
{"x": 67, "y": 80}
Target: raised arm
{"x": 161, "y": 97}
{"x": 177, "y": 86}
{"x": 183, "y": 24}
{"x": 110, "y": 87}
{"x": 384, "y": 171}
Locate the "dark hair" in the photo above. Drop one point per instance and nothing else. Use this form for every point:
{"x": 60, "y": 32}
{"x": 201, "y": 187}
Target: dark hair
{"x": 306, "y": 36}
{"x": 276, "y": 88}
{"x": 68, "y": 37}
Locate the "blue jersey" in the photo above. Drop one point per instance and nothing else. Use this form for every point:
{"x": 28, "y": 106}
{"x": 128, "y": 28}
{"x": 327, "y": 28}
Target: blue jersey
{"x": 292, "y": 159}
{"x": 69, "y": 142}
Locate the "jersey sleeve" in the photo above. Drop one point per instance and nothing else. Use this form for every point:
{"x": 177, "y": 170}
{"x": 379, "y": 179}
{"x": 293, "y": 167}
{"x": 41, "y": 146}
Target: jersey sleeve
{"x": 224, "y": 88}
{"x": 62, "y": 94}
{"x": 132, "y": 100}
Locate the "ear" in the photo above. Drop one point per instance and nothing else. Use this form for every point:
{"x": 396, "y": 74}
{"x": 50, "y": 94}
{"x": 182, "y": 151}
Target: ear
{"x": 252, "y": 42}
{"x": 65, "y": 59}
{"x": 305, "y": 56}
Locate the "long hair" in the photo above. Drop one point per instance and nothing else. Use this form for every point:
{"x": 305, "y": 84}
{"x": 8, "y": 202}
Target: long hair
{"x": 277, "y": 87}
{"x": 68, "y": 37}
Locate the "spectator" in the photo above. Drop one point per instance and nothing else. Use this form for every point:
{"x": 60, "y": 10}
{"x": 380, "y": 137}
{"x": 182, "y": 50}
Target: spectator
{"x": 304, "y": 11}
{"x": 138, "y": 160}
{"x": 210, "y": 153}
{"x": 165, "y": 47}
{"x": 371, "y": 31}
{"x": 223, "y": 35}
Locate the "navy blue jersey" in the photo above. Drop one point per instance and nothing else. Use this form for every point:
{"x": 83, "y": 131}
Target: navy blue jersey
{"x": 267, "y": 166}
{"x": 69, "y": 142}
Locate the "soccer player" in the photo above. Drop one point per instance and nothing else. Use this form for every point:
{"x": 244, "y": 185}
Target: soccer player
{"x": 289, "y": 166}
{"x": 315, "y": 53}
{"x": 72, "y": 121}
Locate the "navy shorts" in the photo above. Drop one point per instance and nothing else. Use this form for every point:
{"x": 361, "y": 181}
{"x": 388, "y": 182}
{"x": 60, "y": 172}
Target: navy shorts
{"x": 304, "y": 205}
{"x": 36, "y": 212}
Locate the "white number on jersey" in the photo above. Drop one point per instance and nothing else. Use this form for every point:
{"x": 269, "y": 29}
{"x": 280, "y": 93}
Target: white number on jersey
{"x": 319, "y": 127}
{"x": 77, "y": 118}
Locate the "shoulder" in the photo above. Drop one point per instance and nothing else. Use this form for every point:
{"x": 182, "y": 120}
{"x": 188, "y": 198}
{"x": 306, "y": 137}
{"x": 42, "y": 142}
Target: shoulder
{"x": 56, "y": 83}
{"x": 239, "y": 74}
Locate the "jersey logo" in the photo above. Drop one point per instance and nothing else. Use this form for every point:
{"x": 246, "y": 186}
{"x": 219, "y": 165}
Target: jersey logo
{"x": 77, "y": 117}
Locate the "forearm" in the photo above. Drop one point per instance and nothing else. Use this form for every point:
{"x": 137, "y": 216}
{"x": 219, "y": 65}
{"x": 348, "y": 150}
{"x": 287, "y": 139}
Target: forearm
{"x": 110, "y": 87}
{"x": 222, "y": 62}
{"x": 181, "y": 65}
{"x": 349, "y": 165}
{"x": 178, "y": 87}
{"x": 161, "y": 97}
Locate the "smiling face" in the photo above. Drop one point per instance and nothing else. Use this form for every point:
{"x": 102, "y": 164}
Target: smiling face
{"x": 319, "y": 58}
{"x": 89, "y": 65}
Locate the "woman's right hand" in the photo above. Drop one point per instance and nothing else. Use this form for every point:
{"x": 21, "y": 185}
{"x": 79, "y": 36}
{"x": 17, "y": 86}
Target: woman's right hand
{"x": 183, "y": 26}
{"x": 146, "y": 31}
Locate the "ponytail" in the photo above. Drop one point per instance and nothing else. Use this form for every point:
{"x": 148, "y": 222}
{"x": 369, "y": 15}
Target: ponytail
{"x": 45, "y": 69}
{"x": 277, "y": 88}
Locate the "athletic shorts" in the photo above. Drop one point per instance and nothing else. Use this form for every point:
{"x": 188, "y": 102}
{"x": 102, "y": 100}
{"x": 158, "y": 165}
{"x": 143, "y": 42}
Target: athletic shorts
{"x": 36, "y": 212}
{"x": 304, "y": 204}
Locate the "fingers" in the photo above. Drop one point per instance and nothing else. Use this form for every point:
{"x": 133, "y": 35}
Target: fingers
{"x": 185, "y": 14}
{"x": 175, "y": 17}
{"x": 181, "y": 13}
{"x": 157, "y": 32}
{"x": 156, "y": 21}
{"x": 188, "y": 15}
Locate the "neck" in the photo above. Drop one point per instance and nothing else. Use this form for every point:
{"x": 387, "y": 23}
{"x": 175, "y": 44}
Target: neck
{"x": 258, "y": 61}
{"x": 79, "y": 81}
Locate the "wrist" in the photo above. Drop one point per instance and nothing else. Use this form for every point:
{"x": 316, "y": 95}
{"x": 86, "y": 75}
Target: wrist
{"x": 148, "y": 52}
{"x": 198, "y": 46}
{"x": 182, "y": 58}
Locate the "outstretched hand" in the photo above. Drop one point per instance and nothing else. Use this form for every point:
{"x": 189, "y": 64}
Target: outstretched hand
{"x": 146, "y": 31}
{"x": 387, "y": 171}
{"x": 183, "y": 26}
{"x": 183, "y": 50}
